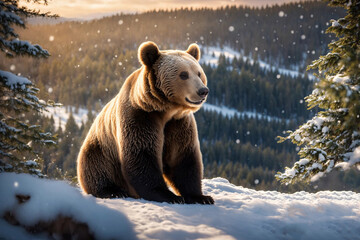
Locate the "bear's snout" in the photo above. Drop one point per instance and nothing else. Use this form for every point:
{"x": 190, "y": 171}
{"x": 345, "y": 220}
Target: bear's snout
{"x": 203, "y": 92}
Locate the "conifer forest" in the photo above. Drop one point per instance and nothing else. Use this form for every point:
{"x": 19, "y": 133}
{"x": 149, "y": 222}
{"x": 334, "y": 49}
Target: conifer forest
{"x": 90, "y": 60}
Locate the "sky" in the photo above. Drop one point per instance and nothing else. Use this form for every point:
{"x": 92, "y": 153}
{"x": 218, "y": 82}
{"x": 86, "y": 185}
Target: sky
{"x": 98, "y": 8}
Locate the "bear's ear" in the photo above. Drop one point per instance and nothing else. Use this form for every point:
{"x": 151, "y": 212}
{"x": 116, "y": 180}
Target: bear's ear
{"x": 148, "y": 53}
{"x": 194, "y": 51}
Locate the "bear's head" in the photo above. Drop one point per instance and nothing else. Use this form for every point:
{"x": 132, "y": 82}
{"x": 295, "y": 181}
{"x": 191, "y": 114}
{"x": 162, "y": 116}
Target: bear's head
{"x": 175, "y": 75}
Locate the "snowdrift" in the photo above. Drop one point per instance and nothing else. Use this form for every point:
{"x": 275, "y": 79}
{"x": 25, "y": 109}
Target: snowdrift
{"x": 238, "y": 213}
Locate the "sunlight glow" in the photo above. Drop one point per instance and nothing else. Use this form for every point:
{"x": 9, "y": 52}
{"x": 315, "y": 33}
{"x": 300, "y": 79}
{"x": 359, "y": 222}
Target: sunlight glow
{"x": 98, "y": 8}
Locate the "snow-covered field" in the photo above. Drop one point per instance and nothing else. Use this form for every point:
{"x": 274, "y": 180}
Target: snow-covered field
{"x": 238, "y": 213}
{"x": 61, "y": 115}
{"x": 211, "y": 54}
{"x": 230, "y": 112}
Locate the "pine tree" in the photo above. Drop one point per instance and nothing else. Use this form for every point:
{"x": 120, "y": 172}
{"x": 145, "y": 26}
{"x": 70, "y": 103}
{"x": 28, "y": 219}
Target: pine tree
{"x": 18, "y": 96}
{"x": 332, "y": 138}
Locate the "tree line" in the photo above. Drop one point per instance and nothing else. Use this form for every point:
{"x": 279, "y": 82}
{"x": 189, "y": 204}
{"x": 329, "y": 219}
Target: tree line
{"x": 90, "y": 61}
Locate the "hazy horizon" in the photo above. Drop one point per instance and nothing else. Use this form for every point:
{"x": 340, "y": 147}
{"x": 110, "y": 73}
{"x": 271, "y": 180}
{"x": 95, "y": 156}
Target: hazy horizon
{"x": 100, "y": 8}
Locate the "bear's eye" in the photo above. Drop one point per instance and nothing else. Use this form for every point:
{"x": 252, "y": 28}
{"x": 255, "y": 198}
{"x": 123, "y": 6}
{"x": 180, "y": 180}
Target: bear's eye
{"x": 199, "y": 74}
{"x": 184, "y": 75}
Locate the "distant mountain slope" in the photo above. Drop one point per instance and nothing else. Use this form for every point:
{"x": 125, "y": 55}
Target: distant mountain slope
{"x": 286, "y": 35}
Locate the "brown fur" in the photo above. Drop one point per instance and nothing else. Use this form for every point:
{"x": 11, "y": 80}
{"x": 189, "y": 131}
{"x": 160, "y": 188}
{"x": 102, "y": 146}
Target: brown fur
{"x": 147, "y": 134}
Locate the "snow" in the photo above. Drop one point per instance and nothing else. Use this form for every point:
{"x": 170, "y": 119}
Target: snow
{"x": 231, "y": 112}
{"x": 318, "y": 122}
{"x": 303, "y": 161}
{"x": 9, "y": 17}
{"x": 354, "y": 158}
{"x": 52, "y": 198}
{"x": 335, "y": 24}
{"x": 238, "y": 213}
{"x": 340, "y": 78}
{"x": 25, "y": 47}
{"x": 61, "y": 115}
{"x": 211, "y": 54}
{"x": 321, "y": 157}
{"x": 208, "y": 52}
{"x": 314, "y": 166}
{"x": 14, "y": 81}
{"x": 325, "y": 129}
{"x": 317, "y": 176}
{"x": 289, "y": 172}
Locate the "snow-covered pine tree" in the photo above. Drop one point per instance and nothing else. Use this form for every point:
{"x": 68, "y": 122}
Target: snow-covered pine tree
{"x": 332, "y": 138}
{"x": 18, "y": 95}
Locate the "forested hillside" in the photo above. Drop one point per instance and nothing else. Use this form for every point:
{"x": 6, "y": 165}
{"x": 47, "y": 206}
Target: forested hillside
{"x": 91, "y": 59}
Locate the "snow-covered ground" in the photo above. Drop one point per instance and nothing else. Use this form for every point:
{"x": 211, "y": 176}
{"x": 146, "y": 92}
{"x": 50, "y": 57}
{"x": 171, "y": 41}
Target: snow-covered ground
{"x": 231, "y": 112}
{"x": 61, "y": 115}
{"x": 211, "y": 54}
{"x": 238, "y": 213}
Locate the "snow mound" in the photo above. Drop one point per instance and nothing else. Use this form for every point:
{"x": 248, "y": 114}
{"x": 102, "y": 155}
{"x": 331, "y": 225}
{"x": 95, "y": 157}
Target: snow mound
{"x": 241, "y": 213}
{"x": 50, "y": 199}
{"x": 238, "y": 213}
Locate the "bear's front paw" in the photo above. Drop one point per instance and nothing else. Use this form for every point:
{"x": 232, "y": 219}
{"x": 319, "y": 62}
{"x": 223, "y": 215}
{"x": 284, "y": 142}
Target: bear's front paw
{"x": 177, "y": 199}
{"x": 199, "y": 199}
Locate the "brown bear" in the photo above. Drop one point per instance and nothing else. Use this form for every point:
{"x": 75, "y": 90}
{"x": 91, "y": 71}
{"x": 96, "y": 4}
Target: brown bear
{"x": 147, "y": 136}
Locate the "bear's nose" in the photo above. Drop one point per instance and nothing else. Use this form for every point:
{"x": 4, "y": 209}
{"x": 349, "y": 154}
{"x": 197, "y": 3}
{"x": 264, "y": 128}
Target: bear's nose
{"x": 203, "y": 92}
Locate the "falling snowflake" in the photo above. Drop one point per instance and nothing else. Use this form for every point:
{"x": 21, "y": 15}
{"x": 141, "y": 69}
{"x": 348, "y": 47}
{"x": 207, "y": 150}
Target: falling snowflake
{"x": 278, "y": 76}
{"x": 12, "y": 67}
{"x": 257, "y": 181}
{"x": 51, "y": 38}
{"x": 120, "y": 22}
{"x": 231, "y": 28}
{"x": 303, "y": 37}
{"x": 281, "y": 14}
{"x": 50, "y": 90}
{"x": 237, "y": 141}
